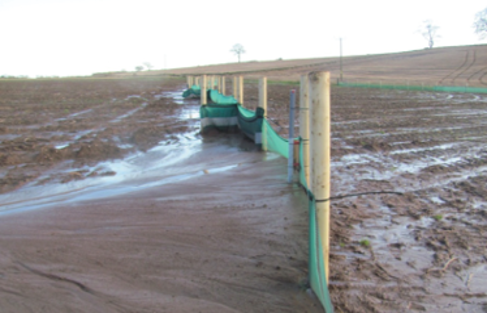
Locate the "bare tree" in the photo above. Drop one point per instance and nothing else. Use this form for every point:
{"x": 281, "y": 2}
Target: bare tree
{"x": 138, "y": 68}
{"x": 238, "y": 50}
{"x": 148, "y": 66}
{"x": 429, "y": 32}
{"x": 480, "y": 23}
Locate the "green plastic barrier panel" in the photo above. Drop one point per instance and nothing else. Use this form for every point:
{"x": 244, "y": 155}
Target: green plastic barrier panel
{"x": 218, "y": 98}
{"x": 229, "y": 114}
{"x": 219, "y": 116}
{"x": 194, "y": 91}
{"x": 316, "y": 263}
{"x": 254, "y": 125}
{"x": 250, "y": 123}
{"x": 274, "y": 142}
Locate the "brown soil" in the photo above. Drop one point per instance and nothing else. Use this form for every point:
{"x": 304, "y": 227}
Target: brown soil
{"x": 423, "y": 249}
{"x": 236, "y": 241}
{"x": 48, "y": 123}
{"x": 448, "y": 66}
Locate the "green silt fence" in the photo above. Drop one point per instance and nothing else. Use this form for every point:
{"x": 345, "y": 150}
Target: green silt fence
{"x": 460, "y": 89}
{"x": 225, "y": 113}
{"x": 254, "y": 125}
{"x": 194, "y": 91}
{"x": 316, "y": 263}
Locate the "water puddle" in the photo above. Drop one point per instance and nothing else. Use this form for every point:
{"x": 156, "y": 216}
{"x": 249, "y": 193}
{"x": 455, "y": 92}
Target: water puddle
{"x": 73, "y": 115}
{"x": 162, "y": 165}
{"x": 129, "y": 113}
{"x": 188, "y": 157}
{"x": 414, "y": 150}
{"x": 176, "y": 96}
{"x": 190, "y": 113}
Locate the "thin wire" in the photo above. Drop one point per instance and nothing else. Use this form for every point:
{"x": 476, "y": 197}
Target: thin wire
{"x": 361, "y": 194}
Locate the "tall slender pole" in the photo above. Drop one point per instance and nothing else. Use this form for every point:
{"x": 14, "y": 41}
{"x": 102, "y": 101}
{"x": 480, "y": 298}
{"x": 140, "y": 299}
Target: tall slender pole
{"x": 320, "y": 156}
{"x": 222, "y": 85}
{"x": 263, "y": 94}
{"x": 235, "y": 87}
{"x": 290, "y": 159}
{"x": 263, "y": 105}
{"x": 241, "y": 90}
{"x": 304, "y": 125}
{"x": 341, "y": 62}
{"x": 203, "y": 90}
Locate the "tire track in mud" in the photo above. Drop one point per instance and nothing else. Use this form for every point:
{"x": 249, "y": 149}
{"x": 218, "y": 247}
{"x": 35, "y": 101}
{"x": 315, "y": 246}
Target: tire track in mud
{"x": 456, "y": 70}
{"x": 481, "y": 78}
{"x": 57, "y": 278}
{"x": 482, "y": 72}
{"x": 106, "y": 300}
{"x": 474, "y": 57}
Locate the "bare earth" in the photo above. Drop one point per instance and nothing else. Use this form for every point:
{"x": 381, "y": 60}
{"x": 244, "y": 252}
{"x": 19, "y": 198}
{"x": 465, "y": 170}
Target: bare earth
{"x": 448, "y": 66}
{"x": 112, "y": 202}
{"x": 423, "y": 249}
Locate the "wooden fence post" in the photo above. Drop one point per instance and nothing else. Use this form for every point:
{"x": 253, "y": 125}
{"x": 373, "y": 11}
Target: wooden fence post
{"x": 263, "y": 104}
{"x": 290, "y": 159}
{"x": 304, "y": 124}
{"x": 235, "y": 87}
{"x": 241, "y": 90}
{"x": 263, "y": 94}
{"x": 320, "y": 156}
{"x": 203, "y": 90}
{"x": 223, "y": 85}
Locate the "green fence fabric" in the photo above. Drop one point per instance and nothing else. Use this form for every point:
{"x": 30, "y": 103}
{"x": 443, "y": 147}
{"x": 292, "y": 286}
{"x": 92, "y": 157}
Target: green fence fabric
{"x": 461, "y": 89}
{"x": 219, "y": 116}
{"x": 274, "y": 142}
{"x": 229, "y": 115}
{"x": 218, "y": 98}
{"x": 255, "y": 126}
{"x": 316, "y": 263}
{"x": 246, "y": 112}
{"x": 302, "y": 175}
{"x": 250, "y": 123}
{"x": 194, "y": 91}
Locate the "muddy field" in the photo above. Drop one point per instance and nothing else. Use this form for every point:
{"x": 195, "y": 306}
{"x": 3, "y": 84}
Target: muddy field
{"x": 243, "y": 246}
{"x": 51, "y": 131}
{"x": 423, "y": 249}
{"x": 448, "y": 66}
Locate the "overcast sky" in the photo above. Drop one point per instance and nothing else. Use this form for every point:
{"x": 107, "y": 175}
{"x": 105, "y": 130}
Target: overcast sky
{"x": 71, "y": 37}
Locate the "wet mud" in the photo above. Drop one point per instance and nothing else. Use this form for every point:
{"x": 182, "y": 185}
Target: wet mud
{"x": 65, "y": 126}
{"x": 141, "y": 213}
{"x": 421, "y": 247}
